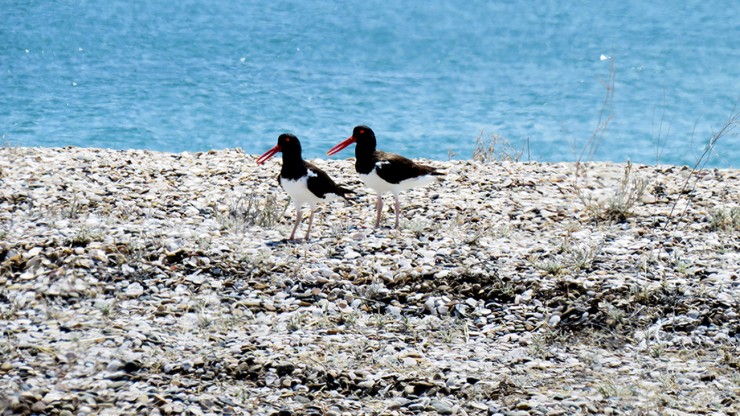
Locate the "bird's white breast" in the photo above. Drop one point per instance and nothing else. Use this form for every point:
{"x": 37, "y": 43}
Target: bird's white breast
{"x": 299, "y": 192}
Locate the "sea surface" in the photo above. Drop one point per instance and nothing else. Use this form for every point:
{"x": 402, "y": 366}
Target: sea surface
{"x": 651, "y": 82}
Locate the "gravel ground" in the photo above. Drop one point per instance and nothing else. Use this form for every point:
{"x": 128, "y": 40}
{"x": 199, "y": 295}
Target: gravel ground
{"x": 137, "y": 282}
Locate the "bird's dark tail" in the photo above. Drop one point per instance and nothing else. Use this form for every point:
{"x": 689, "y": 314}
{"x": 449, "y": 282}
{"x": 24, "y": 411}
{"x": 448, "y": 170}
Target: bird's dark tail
{"x": 344, "y": 192}
{"x": 430, "y": 170}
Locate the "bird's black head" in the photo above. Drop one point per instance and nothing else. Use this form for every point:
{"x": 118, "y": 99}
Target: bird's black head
{"x": 364, "y": 137}
{"x": 288, "y": 144}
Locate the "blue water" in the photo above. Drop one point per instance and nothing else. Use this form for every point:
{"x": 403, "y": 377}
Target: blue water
{"x": 429, "y": 77}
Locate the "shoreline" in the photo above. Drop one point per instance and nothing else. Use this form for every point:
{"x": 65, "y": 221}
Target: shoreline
{"x": 498, "y": 157}
{"x": 148, "y": 280}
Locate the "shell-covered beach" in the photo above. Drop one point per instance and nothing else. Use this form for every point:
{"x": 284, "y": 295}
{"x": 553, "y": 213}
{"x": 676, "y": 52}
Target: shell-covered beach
{"x": 139, "y": 282}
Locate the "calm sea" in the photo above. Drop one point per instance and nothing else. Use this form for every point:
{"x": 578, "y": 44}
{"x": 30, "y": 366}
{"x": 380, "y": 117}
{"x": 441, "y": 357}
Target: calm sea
{"x": 428, "y": 76}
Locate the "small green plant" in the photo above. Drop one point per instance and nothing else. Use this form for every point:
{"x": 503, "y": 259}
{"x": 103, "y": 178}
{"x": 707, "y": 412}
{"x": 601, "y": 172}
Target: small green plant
{"x": 656, "y": 350}
{"x": 418, "y": 226}
{"x": 244, "y": 396}
{"x": 448, "y": 330}
{"x": 609, "y": 388}
{"x": 8, "y": 311}
{"x": 349, "y": 320}
{"x": 204, "y": 318}
{"x": 680, "y": 263}
{"x": 582, "y": 256}
{"x": 642, "y": 294}
{"x": 615, "y": 317}
{"x": 85, "y": 236}
{"x": 472, "y": 237}
{"x": 73, "y": 209}
{"x": 6, "y": 349}
{"x": 683, "y": 268}
{"x": 542, "y": 342}
{"x": 204, "y": 242}
{"x": 108, "y": 308}
{"x": 296, "y": 322}
{"x": 551, "y": 267}
{"x": 730, "y": 359}
{"x": 727, "y": 219}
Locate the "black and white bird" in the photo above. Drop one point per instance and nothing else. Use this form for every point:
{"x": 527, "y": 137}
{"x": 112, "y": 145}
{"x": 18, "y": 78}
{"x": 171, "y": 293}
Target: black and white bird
{"x": 304, "y": 182}
{"x": 382, "y": 171}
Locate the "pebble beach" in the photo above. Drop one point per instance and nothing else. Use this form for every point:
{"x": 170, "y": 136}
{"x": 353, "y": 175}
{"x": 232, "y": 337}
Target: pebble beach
{"x": 147, "y": 283}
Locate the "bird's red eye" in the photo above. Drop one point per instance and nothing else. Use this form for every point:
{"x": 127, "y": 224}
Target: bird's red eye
{"x": 287, "y": 139}
{"x": 362, "y": 131}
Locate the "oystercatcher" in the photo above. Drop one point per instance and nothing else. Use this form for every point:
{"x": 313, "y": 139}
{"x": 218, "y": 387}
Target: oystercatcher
{"x": 382, "y": 171}
{"x": 304, "y": 182}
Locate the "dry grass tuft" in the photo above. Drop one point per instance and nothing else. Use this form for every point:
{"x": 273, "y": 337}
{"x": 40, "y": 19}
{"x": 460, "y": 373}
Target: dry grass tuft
{"x": 252, "y": 210}
{"x": 496, "y": 149}
{"x": 727, "y": 219}
{"x": 619, "y": 206}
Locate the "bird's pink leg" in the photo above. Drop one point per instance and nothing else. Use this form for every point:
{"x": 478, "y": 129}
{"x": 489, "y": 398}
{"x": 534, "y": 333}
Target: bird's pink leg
{"x": 298, "y": 218}
{"x": 310, "y": 221}
{"x": 379, "y": 208}
{"x": 398, "y": 208}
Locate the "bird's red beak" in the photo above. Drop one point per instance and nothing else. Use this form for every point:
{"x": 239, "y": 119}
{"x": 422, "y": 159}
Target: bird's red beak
{"x": 336, "y": 149}
{"x": 268, "y": 154}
